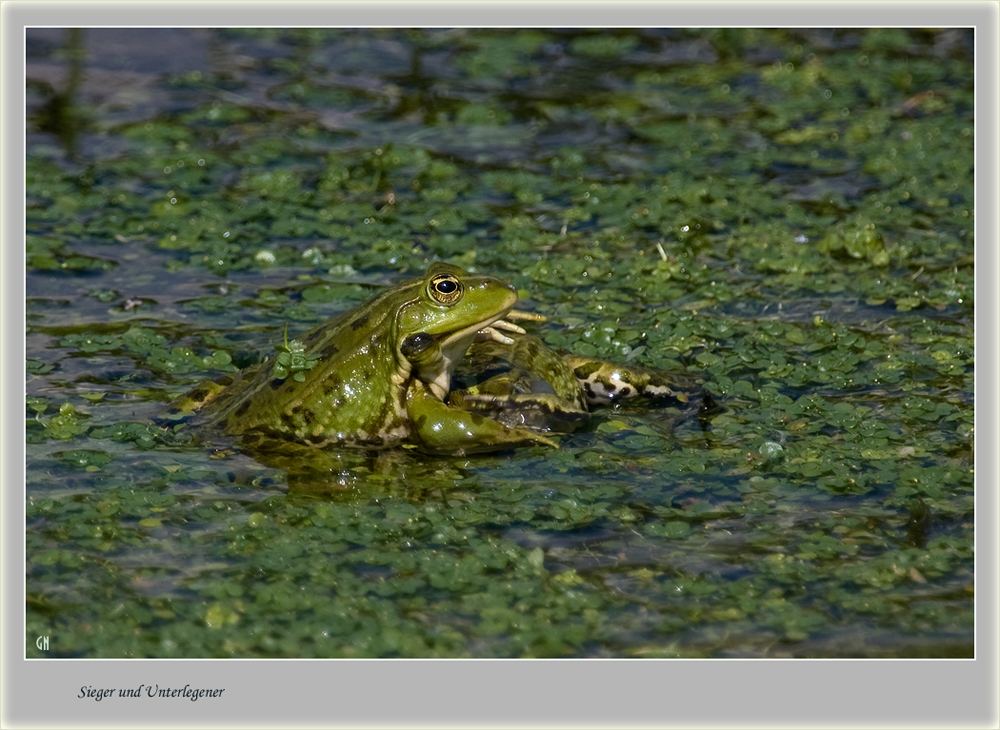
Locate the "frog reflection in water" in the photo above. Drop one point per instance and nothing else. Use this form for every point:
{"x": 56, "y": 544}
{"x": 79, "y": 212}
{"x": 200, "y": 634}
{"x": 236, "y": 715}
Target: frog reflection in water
{"x": 381, "y": 376}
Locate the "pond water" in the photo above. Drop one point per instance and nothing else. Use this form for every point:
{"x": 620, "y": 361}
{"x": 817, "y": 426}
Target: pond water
{"x": 786, "y": 214}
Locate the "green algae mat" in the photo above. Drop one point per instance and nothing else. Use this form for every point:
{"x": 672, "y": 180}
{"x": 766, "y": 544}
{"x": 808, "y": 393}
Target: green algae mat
{"x": 787, "y": 215}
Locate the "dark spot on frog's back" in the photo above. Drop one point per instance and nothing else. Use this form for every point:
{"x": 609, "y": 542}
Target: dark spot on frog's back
{"x": 359, "y": 322}
{"x": 299, "y": 414}
{"x": 271, "y": 433}
{"x": 310, "y": 338}
{"x": 244, "y": 406}
{"x": 251, "y": 439}
{"x": 331, "y": 385}
{"x": 329, "y": 351}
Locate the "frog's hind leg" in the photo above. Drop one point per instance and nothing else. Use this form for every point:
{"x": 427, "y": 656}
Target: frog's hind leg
{"x": 538, "y": 411}
{"x": 606, "y": 383}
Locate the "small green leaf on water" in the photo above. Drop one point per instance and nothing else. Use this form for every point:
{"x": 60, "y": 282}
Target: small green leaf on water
{"x": 673, "y": 529}
{"x": 770, "y": 449}
{"x": 218, "y": 616}
{"x": 568, "y": 578}
{"x": 256, "y": 519}
{"x": 795, "y": 336}
{"x": 676, "y": 529}
{"x": 89, "y": 460}
{"x": 218, "y": 359}
{"x": 37, "y": 404}
{"x": 536, "y": 557}
{"x": 613, "y": 426}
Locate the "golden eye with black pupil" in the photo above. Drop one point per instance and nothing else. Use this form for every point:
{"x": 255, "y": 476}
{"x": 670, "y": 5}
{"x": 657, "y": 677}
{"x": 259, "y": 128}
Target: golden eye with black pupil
{"x": 446, "y": 289}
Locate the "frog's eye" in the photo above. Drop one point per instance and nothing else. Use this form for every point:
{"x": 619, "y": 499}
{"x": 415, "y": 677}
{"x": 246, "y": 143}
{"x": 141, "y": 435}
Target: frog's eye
{"x": 446, "y": 289}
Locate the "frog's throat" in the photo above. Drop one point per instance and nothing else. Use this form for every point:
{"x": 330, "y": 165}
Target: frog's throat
{"x": 437, "y": 372}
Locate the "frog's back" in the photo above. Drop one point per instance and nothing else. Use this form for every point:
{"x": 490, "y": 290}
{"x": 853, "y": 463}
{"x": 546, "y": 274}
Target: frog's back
{"x": 350, "y": 387}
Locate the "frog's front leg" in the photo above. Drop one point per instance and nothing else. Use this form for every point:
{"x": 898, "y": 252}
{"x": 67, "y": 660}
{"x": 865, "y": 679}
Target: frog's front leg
{"x": 605, "y": 382}
{"x": 444, "y": 429}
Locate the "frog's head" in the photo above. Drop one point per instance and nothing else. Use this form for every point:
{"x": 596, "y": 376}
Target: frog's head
{"x": 436, "y": 326}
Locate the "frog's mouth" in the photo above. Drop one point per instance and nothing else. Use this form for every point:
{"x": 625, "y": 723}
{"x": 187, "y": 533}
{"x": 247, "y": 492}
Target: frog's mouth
{"x": 437, "y": 371}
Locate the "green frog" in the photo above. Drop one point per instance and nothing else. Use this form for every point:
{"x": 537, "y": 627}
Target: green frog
{"x": 380, "y": 376}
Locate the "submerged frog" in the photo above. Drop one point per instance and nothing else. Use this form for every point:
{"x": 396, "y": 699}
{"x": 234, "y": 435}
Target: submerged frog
{"x": 522, "y": 382}
{"x": 380, "y": 376}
